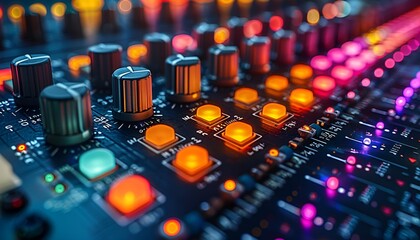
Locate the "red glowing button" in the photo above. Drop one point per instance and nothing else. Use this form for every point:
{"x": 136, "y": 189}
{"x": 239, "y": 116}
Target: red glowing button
{"x": 252, "y": 28}
{"x": 130, "y": 193}
{"x": 324, "y": 83}
{"x": 276, "y": 23}
{"x": 5, "y": 74}
{"x": 332, "y": 183}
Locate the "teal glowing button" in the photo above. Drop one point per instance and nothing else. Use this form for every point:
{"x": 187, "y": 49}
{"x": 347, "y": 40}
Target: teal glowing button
{"x": 96, "y": 163}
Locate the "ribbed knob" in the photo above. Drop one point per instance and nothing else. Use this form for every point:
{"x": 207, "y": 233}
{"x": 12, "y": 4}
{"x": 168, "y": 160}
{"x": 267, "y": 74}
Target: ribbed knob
{"x": 73, "y": 24}
{"x": 236, "y": 29}
{"x": 32, "y": 27}
{"x": 204, "y": 36}
{"x": 183, "y": 78}
{"x": 284, "y": 43}
{"x": 30, "y": 74}
{"x": 158, "y": 49}
{"x": 105, "y": 58}
{"x": 223, "y": 65}
{"x": 109, "y": 21}
{"x": 308, "y": 39}
{"x": 132, "y": 94}
{"x": 327, "y": 34}
{"x": 257, "y": 55}
{"x": 66, "y": 114}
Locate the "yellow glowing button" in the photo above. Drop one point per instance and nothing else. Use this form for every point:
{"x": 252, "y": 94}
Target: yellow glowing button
{"x": 276, "y": 82}
{"x": 209, "y": 113}
{"x": 301, "y": 72}
{"x": 160, "y": 136}
{"x": 192, "y": 160}
{"x": 130, "y": 194}
{"x": 246, "y": 95}
{"x": 239, "y": 132}
{"x": 79, "y": 61}
{"x": 274, "y": 111}
{"x": 301, "y": 96}
{"x": 229, "y": 185}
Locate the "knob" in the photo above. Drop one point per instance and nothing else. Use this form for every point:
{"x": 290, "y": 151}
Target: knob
{"x": 183, "y": 78}
{"x": 132, "y": 94}
{"x": 32, "y": 227}
{"x": 158, "y": 49}
{"x": 30, "y": 74}
{"x": 73, "y": 24}
{"x": 32, "y": 27}
{"x": 109, "y": 21}
{"x": 236, "y": 29}
{"x": 138, "y": 17}
{"x": 308, "y": 39}
{"x": 284, "y": 43}
{"x": 292, "y": 18}
{"x": 257, "y": 55}
{"x": 66, "y": 114}
{"x": 204, "y": 36}
{"x": 105, "y": 58}
{"x": 327, "y": 33}
{"x": 223, "y": 65}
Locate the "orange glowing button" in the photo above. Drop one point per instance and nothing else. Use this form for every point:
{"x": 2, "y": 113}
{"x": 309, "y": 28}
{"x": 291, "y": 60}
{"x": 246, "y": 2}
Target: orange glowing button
{"x": 136, "y": 52}
{"x": 130, "y": 194}
{"x": 301, "y": 96}
{"x": 239, "y": 132}
{"x": 276, "y": 82}
{"x": 324, "y": 83}
{"x": 209, "y": 113}
{"x": 171, "y": 227}
{"x": 5, "y": 74}
{"x": 229, "y": 185}
{"x": 221, "y": 35}
{"x": 246, "y": 95}
{"x": 79, "y": 61}
{"x": 160, "y": 136}
{"x": 274, "y": 111}
{"x": 192, "y": 160}
{"x": 300, "y": 73}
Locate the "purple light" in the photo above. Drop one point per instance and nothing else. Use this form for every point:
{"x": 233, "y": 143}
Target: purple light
{"x": 415, "y": 83}
{"x": 418, "y": 75}
{"x": 351, "y": 160}
{"x": 367, "y": 141}
{"x": 351, "y": 48}
{"x": 400, "y": 101}
{"x": 380, "y": 125}
{"x": 408, "y": 92}
{"x": 308, "y": 211}
{"x": 321, "y": 62}
{"x": 336, "y": 55}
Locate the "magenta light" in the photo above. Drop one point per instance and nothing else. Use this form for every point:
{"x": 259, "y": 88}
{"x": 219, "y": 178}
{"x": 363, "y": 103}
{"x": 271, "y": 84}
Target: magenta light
{"x": 351, "y": 48}
{"x": 379, "y": 72}
{"x": 380, "y": 125}
{"x": 336, "y": 55}
{"x": 308, "y": 211}
{"x": 351, "y": 95}
{"x": 400, "y": 101}
{"x": 414, "y": 44}
{"x": 406, "y": 50}
{"x": 321, "y": 63}
{"x": 389, "y": 63}
{"x": 398, "y": 56}
{"x": 365, "y": 82}
{"x": 351, "y": 160}
{"x": 415, "y": 83}
{"x": 408, "y": 92}
{"x": 342, "y": 74}
{"x": 368, "y": 56}
{"x": 418, "y": 75}
{"x": 332, "y": 183}
{"x": 355, "y": 63}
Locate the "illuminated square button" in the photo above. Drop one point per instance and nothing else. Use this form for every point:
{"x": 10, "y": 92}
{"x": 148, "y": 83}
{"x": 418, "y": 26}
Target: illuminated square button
{"x": 130, "y": 194}
{"x": 192, "y": 160}
{"x": 301, "y": 74}
{"x": 209, "y": 113}
{"x": 276, "y": 83}
{"x": 246, "y": 95}
{"x": 239, "y": 132}
{"x": 301, "y": 96}
{"x": 97, "y": 162}
{"x": 274, "y": 111}
{"x": 160, "y": 136}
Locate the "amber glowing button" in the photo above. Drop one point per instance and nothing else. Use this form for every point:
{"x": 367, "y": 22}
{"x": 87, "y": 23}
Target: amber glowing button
{"x": 239, "y": 132}
{"x": 274, "y": 111}
{"x": 209, "y": 113}
{"x": 276, "y": 83}
{"x": 301, "y": 73}
{"x": 172, "y": 227}
{"x": 160, "y": 136}
{"x": 130, "y": 194}
{"x": 77, "y": 62}
{"x": 246, "y": 95}
{"x": 192, "y": 160}
{"x": 302, "y": 97}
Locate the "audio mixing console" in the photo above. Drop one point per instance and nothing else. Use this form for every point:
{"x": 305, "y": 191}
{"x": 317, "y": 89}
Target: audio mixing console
{"x": 210, "y": 119}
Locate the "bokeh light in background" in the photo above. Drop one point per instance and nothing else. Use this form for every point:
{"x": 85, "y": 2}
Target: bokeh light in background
{"x": 38, "y": 8}
{"x": 58, "y": 9}
{"x": 15, "y": 12}
{"x": 124, "y": 6}
{"x": 313, "y": 16}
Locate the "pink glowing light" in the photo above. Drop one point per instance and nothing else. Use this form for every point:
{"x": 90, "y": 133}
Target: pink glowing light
{"x": 365, "y": 82}
{"x": 342, "y": 74}
{"x": 400, "y": 101}
{"x": 380, "y": 125}
{"x": 332, "y": 183}
{"x": 379, "y": 72}
{"x": 398, "y": 56}
{"x": 351, "y": 95}
{"x": 351, "y": 48}
{"x": 389, "y": 63}
{"x": 415, "y": 83}
{"x": 324, "y": 83}
{"x": 252, "y": 28}
{"x": 336, "y": 55}
{"x": 414, "y": 44}
{"x": 308, "y": 211}
{"x": 321, "y": 63}
{"x": 183, "y": 42}
{"x": 351, "y": 160}
{"x": 406, "y": 50}
{"x": 356, "y": 64}
{"x": 418, "y": 75}
{"x": 408, "y": 92}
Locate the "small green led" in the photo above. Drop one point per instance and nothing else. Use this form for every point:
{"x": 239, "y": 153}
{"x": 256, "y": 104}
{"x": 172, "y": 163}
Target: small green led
{"x": 49, "y": 177}
{"x": 59, "y": 188}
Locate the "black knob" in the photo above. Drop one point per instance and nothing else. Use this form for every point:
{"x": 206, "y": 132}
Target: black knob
{"x": 236, "y": 29}
{"x": 138, "y": 17}
{"x": 308, "y": 39}
{"x": 204, "y": 36}
{"x": 66, "y": 114}
{"x": 293, "y": 17}
{"x": 30, "y": 74}
{"x": 158, "y": 49}
{"x": 32, "y": 227}
{"x": 109, "y": 21}
{"x": 32, "y": 27}
{"x": 257, "y": 55}
{"x": 223, "y": 65}
{"x": 105, "y": 58}
{"x": 284, "y": 43}
{"x": 183, "y": 78}
{"x": 73, "y": 24}
{"x": 132, "y": 94}
{"x": 13, "y": 201}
